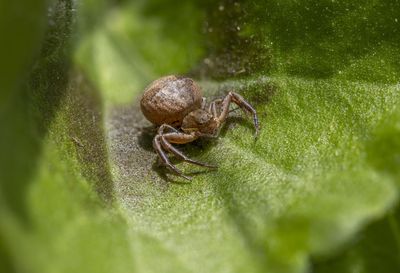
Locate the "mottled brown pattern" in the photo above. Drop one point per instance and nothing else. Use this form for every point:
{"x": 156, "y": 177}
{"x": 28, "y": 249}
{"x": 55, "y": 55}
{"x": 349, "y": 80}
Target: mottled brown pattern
{"x": 169, "y": 99}
{"x": 176, "y": 104}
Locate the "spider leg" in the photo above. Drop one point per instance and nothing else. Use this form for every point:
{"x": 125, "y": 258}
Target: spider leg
{"x": 168, "y": 146}
{"x": 203, "y": 103}
{"x": 180, "y": 137}
{"x": 163, "y": 127}
{"x": 242, "y": 103}
{"x": 212, "y": 109}
{"x": 164, "y": 159}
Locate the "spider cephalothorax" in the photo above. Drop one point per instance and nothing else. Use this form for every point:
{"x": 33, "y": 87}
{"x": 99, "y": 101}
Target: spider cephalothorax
{"x": 200, "y": 121}
{"x": 176, "y": 105}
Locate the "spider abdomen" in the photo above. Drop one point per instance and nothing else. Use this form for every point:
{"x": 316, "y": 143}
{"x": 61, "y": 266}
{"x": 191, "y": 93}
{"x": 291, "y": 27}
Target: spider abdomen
{"x": 169, "y": 99}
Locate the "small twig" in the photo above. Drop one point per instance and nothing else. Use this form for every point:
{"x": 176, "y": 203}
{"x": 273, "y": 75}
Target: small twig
{"x": 243, "y": 70}
{"x": 77, "y": 142}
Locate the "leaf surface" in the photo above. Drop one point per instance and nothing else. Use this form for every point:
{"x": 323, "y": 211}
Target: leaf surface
{"x": 314, "y": 192}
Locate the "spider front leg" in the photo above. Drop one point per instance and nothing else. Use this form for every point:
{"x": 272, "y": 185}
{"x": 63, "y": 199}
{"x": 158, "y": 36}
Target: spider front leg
{"x": 165, "y": 127}
{"x": 212, "y": 109}
{"x": 162, "y": 142}
{"x": 242, "y": 103}
{"x": 164, "y": 159}
{"x": 203, "y": 103}
{"x": 169, "y": 147}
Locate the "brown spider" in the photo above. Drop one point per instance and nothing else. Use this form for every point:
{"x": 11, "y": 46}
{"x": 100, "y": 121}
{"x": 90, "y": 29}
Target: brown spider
{"x": 176, "y": 105}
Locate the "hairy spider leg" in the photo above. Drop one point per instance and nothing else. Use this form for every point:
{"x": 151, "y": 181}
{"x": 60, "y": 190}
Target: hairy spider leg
{"x": 212, "y": 109}
{"x": 164, "y": 159}
{"x": 162, "y": 141}
{"x": 203, "y": 103}
{"x": 242, "y": 103}
{"x": 164, "y": 127}
{"x": 169, "y": 147}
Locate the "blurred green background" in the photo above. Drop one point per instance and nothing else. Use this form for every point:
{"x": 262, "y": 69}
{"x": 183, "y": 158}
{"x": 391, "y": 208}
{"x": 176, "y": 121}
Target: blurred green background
{"x": 318, "y": 192}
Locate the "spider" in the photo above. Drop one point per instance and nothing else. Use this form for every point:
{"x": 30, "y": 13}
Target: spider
{"x": 176, "y": 105}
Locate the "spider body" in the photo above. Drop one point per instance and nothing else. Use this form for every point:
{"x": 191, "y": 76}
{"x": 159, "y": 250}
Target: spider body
{"x": 169, "y": 99}
{"x": 176, "y": 105}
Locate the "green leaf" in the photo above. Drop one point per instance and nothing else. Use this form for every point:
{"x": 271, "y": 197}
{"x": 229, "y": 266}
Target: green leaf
{"x": 21, "y": 31}
{"x": 375, "y": 249}
{"x": 80, "y": 186}
{"x": 50, "y": 213}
